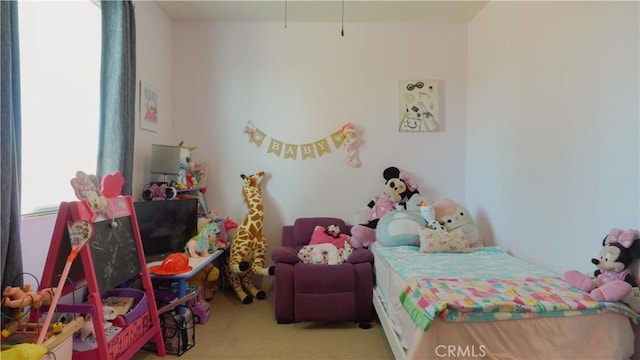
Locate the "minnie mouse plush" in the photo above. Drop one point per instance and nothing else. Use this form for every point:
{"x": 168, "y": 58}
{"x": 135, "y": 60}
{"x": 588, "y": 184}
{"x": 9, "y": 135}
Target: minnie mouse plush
{"x": 396, "y": 191}
{"x": 613, "y": 280}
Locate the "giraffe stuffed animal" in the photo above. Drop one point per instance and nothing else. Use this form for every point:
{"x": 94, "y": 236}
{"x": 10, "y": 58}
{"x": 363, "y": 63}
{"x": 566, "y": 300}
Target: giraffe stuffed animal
{"x": 249, "y": 247}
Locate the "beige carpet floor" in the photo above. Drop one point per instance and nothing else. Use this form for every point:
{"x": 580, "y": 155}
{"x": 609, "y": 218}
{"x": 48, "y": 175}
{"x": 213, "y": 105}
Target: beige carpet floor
{"x": 238, "y": 331}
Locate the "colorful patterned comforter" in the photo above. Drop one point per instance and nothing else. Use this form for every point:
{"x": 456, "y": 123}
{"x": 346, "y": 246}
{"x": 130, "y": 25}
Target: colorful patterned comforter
{"x": 485, "y": 285}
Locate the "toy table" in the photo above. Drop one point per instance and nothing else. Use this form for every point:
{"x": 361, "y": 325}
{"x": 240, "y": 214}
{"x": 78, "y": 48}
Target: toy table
{"x": 196, "y": 263}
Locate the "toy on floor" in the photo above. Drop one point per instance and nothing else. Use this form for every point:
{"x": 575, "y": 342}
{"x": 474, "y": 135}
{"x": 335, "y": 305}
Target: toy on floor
{"x": 206, "y": 279}
{"x": 613, "y": 279}
{"x": 249, "y": 247}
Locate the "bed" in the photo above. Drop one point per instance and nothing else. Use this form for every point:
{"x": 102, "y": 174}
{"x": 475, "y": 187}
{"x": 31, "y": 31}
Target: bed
{"x": 489, "y": 304}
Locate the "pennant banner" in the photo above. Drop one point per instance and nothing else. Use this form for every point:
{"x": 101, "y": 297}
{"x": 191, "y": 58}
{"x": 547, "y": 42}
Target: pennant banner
{"x": 312, "y": 150}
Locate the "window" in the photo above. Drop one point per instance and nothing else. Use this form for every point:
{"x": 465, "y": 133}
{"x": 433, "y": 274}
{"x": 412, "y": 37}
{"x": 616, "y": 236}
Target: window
{"x": 60, "y": 47}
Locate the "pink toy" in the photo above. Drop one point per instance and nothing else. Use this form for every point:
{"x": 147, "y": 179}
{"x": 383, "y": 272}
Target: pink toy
{"x": 613, "y": 281}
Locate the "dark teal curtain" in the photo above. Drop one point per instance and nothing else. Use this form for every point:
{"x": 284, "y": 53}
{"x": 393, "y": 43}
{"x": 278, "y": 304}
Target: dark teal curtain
{"x": 117, "y": 91}
{"x": 10, "y": 147}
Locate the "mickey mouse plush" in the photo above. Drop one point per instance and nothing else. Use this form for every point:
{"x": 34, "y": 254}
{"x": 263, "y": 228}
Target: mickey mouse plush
{"x": 613, "y": 280}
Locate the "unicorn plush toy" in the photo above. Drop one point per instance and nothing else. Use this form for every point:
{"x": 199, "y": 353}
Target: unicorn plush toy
{"x": 200, "y": 244}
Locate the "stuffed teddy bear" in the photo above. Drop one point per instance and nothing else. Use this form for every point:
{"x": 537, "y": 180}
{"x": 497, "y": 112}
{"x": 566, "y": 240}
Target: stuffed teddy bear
{"x": 613, "y": 280}
{"x": 396, "y": 191}
{"x": 454, "y": 216}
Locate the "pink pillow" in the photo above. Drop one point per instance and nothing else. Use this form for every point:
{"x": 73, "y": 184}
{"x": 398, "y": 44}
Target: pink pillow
{"x": 432, "y": 241}
{"x": 319, "y": 236}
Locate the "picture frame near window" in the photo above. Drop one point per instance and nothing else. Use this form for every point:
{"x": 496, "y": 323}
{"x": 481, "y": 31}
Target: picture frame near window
{"x": 149, "y": 104}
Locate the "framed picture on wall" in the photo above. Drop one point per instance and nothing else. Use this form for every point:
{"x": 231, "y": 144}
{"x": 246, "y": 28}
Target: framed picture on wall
{"x": 149, "y": 100}
{"x": 419, "y": 106}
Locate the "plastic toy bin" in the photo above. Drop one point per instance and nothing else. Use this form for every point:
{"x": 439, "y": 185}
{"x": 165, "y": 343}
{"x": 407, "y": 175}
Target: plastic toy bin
{"x": 140, "y": 303}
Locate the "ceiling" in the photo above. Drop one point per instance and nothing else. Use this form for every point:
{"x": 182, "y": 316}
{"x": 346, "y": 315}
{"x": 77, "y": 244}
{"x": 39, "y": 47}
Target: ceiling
{"x": 369, "y": 11}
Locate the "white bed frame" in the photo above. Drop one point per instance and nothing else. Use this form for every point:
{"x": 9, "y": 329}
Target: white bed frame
{"x": 392, "y": 337}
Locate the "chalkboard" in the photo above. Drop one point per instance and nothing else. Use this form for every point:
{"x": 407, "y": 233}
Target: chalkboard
{"x": 114, "y": 253}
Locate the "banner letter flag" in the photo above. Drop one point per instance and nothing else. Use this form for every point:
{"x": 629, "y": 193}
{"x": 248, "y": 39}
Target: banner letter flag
{"x": 257, "y": 137}
{"x": 322, "y": 147}
{"x": 275, "y": 147}
{"x": 290, "y": 151}
{"x": 307, "y": 151}
{"x": 338, "y": 138}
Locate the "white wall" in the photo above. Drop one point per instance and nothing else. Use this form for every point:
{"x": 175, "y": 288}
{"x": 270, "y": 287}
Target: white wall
{"x": 300, "y": 84}
{"x": 552, "y": 127}
{"x": 154, "y": 42}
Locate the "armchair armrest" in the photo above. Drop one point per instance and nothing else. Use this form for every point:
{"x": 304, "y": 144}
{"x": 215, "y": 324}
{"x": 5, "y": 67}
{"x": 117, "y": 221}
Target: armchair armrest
{"x": 285, "y": 254}
{"x": 360, "y": 255}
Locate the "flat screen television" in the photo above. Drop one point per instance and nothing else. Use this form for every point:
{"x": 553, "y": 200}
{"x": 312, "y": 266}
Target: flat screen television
{"x": 166, "y": 225}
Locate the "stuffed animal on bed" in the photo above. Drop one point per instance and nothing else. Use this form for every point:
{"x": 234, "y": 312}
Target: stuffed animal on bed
{"x": 454, "y": 216}
{"x": 396, "y": 191}
{"x": 613, "y": 280}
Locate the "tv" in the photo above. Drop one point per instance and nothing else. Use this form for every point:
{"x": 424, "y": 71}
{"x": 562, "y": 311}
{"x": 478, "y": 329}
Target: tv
{"x": 166, "y": 225}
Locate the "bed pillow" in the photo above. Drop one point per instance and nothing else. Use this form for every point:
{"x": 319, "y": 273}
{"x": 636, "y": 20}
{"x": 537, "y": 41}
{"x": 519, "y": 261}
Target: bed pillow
{"x": 398, "y": 228}
{"x": 433, "y": 241}
{"x": 455, "y": 216}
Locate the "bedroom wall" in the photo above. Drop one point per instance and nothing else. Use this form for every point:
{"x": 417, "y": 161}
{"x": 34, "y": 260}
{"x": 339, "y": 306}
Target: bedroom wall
{"x": 552, "y": 127}
{"x": 300, "y": 84}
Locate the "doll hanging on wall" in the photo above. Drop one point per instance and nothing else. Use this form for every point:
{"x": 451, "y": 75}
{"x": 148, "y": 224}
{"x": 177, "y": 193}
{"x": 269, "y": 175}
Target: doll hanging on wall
{"x": 351, "y": 145}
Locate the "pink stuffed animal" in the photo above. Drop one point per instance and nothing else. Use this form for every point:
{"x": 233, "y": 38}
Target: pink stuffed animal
{"x": 613, "y": 280}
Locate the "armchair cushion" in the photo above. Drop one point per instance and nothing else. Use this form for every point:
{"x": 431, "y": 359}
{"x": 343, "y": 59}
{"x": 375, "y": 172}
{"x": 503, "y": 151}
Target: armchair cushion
{"x": 359, "y": 256}
{"x": 283, "y": 254}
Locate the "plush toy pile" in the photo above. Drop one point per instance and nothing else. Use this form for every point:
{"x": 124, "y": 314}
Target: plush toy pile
{"x": 402, "y": 216}
{"x": 327, "y": 246}
{"x": 397, "y": 189}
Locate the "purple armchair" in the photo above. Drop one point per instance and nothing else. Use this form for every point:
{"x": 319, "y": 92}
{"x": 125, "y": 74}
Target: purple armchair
{"x": 327, "y": 293}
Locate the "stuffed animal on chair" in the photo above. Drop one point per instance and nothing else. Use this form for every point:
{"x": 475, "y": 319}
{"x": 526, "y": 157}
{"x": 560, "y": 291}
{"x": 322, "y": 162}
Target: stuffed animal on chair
{"x": 249, "y": 247}
{"x": 613, "y": 281}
